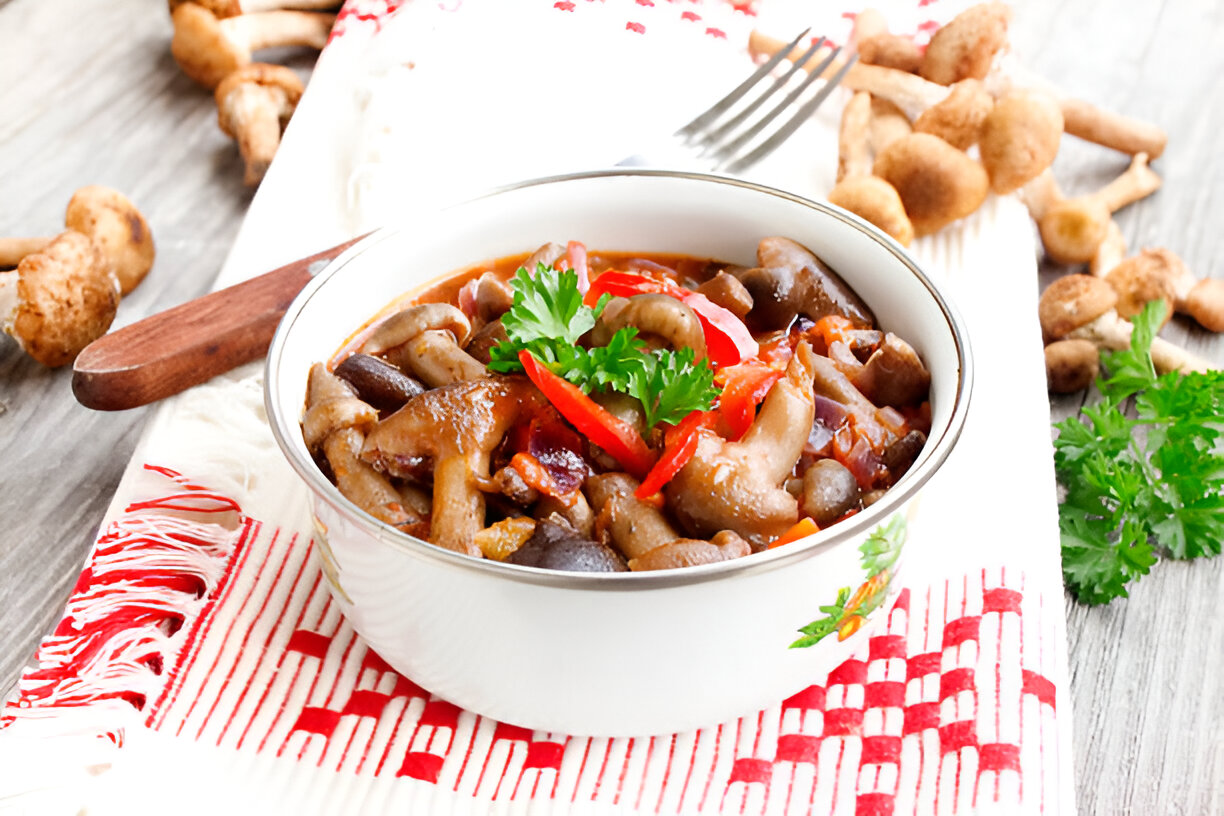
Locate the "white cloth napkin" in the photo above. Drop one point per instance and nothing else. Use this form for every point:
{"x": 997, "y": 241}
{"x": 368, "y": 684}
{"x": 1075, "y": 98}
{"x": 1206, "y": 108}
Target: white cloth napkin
{"x": 258, "y": 697}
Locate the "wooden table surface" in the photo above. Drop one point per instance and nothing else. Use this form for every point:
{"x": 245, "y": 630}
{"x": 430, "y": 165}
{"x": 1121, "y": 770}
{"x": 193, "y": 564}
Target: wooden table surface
{"x": 92, "y": 96}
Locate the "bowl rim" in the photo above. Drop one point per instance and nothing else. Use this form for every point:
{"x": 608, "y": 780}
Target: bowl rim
{"x": 834, "y": 537}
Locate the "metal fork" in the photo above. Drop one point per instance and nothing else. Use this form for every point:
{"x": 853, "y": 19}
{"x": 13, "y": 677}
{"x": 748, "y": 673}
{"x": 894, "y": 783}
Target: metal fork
{"x": 728, "y": 142}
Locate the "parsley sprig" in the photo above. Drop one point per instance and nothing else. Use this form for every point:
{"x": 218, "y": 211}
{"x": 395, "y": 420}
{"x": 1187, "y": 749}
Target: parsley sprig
{"x": 548, "y": 318}
{"x": 1143, "y": 483}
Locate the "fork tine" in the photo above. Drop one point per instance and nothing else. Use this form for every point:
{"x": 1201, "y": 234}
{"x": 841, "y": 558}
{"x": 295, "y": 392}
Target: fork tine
{"x": 719, "y": 107}
{"x": 728, "y": 149}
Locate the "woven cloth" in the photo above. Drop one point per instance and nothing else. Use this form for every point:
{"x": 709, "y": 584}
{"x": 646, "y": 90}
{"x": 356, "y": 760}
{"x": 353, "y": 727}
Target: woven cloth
{"x": 201, "y": 660}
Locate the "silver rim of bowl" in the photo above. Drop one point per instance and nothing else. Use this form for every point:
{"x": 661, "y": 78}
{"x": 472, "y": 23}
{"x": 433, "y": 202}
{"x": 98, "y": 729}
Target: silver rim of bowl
{"x": 285, "y": 423}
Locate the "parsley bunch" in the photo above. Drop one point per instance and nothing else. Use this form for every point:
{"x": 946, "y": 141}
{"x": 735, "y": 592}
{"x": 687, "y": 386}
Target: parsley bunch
{"x": 1140, "y": 484}
{"x": 547, "y": 319}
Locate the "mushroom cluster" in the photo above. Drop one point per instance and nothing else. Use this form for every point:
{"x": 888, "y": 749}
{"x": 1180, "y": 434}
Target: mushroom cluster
{"x": 61, "y": 293}
{"x": 820, "y": 413}
{"x": 214, "y": 43}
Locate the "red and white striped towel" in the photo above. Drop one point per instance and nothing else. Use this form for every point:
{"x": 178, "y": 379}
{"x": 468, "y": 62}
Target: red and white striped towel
{"x": 202, "y": 663}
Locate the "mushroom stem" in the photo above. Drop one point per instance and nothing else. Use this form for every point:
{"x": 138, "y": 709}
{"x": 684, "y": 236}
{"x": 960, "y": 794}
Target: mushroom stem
{"x": 253, "y": 105}
{"x": 1093, "y": 124}
{"x": 12, "y": 250}
{"x": 853, "y": 155}
{"x": 275, "y": 29}
{"x": 1138, "y": 181}
{"x": 1111, "y": 251}
{"x": 1112, "y": 332}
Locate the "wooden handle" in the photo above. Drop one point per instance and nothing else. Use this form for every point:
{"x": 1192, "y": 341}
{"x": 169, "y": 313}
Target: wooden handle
{"x": 193, "y": 342}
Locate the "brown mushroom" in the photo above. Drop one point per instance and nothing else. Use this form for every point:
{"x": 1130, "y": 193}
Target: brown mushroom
{"x": 427, "y": 341}
{"x": 726, "y": 290}
{"x": 959, "y": 117}
{"x": 965, "y": 47}
{"x": 829, "y": 491}
{"x": 254, "y": 104}
{"x": 1082, "y": 306}
{"x": 1111, "y": 251}
{"x": 661, "y": 320}
{"x": 1072, "y": 229}
{"x": 869, "y": 197}
{"x": 1071, "y": 365}
{"x": 644, "y": 535}
{"x": 938, "y": 184}
{"x": 876, "y": 45}
{"x": 59, "y": 299}
{"x": 1138, "y": 281}
{"x": 208, "y": 49}
{"x": 1159, "y": 272}
{"x": 457, "y": 426}
{"x": 790, "y": 279}
{"x": 739, "y": 485}
{"x": 894, "y": 374}
{"x": 556, "y": 546}
{"x": 108, "y": 218}
{"x": 233, "y": 8}
{"x": 334, "y": 426}
{"x": 1019, "y": 139}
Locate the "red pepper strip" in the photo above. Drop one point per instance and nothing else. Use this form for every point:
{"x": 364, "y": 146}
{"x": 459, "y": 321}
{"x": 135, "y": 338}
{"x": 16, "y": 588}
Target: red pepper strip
{"x": 679, "y": 445}
{"x": 745, "y": 386}
{"x": 803, "y": 529}
{"x": 576, "y": 255}
{"x": 537, "y": 476}
{"x": 620, "y": 439}
{"x": 728, "y": 340}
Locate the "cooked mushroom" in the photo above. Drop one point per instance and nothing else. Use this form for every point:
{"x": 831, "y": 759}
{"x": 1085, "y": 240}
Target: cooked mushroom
{"x": 1082, "y": 306}
{"x": 829, "y": 491}
{"x": 233, "y": 8}
{"x": 937, "y": 183}
{"x": 863, "y": 194}
{"x": 894, "y": 374}
{"x": 738, "y": 485}
{"x": 1072, "y": 229}
{"x": 726, "y": 290}
{"x": 1071, "y": 365}
{"x": 966, "y": 46}
{"x": 790, "y": 280}
{"x": 207, "y": 49}
{"x": 1160, "y": 273}
{"x": 427, "y": 341}
{"x": 114, "y": 224}
{"x": 334, "y": 426}
{"x": 59, "y": 299}
{"x": 557, "y": 547}
{"x": 377, "y": 382}
{"x": 643, "y": 534}
{"x": 661, "y": 320}
{"x": 254, "y": 104}
{"x": 494, "y": 297}
{"x": 1019, "y": 139}
{"x": 457, "y": 426}
{"x": 959, "y": 117}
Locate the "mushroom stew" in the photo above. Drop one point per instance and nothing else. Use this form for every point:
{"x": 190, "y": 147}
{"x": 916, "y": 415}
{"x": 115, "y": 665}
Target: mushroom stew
{"x": 607, "y": 411}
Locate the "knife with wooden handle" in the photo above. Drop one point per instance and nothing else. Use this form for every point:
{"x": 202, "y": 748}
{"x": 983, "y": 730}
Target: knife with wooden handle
{"x": 171, "y": 351}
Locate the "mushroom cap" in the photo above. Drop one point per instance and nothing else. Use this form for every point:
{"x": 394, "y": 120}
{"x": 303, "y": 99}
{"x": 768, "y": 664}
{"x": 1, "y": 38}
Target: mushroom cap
{"x": 1137, "y": 282}
{"x": 874, "y": 199}
{"x": 283, "y": 86}
{"x": 117, "y": 229}
{"x": 1073, "y": 301}
{"x": 201, "y": 48}
{"x": 66, "y": 299}
{"x": 1071, "y": 365}
{"x": 966, "y": 45}
{"x": 938, "y": 184}
{"x": 1205, "y": 303}
{"x": 219, "y": 8}
{"x": 958, "y": 118}
{"x": 891, "y": 51}
{"x": 1072, "y": 230}
{"x": 1019, "y": 139}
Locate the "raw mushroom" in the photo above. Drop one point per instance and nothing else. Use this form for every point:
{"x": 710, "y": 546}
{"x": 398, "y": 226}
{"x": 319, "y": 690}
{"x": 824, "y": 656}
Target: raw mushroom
{"x": 1136, "y": 283}
{"x": 656, "y": 316}
{"x": 1159, "y": 269}
{"x": 738, "y": 485}
{"x": 643, "y": 534}
{"x": 457, "y": 426}
{"x": 233, "y": 8}
{"x": 1082, "y": 306}
{"x": 1071, "y": 365}
{"x": 888, "y": 123}
{"x": 427, "y": 341}
{"x": 208, "y": 49}
{"x": 254, "y": 104}
{"x": 966, "y": 45}
{"x": 1072, "y": 229}
{"x": 877, "y": 46}
{"x": 869, "y": 197}
{"x": 1110, "y": 253}
{"x": 937, "y": 183}
{"x": 789, "y": 279}
{"x": 59, "y": 299}
{"x": 108, "y": 218}
{"x": 1019, "y": 139}
{"x": 959, "y": 117}
{"x": 335, "y": 426}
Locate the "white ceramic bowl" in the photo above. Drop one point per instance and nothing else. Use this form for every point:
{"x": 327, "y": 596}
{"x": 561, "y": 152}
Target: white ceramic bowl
{"x": 616, "y": 653}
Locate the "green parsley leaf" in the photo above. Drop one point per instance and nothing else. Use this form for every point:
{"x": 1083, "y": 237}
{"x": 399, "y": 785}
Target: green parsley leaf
{"x": 672, "y": 384}
{"x": 1143, "y": 486}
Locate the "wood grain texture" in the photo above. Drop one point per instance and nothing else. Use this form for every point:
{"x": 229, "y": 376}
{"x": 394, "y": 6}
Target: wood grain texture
{"x": 107, "y": 105}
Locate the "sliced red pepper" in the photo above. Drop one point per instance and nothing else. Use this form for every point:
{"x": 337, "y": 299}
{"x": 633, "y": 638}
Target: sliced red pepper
{"x": 728, "y": 340}
{"x": 804, "y": 528}
{"x": 576, "y": 255}
{"x": 744, "y": 387}
{"x": 620, "y": 439}
{"x": 679, "y": 445}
